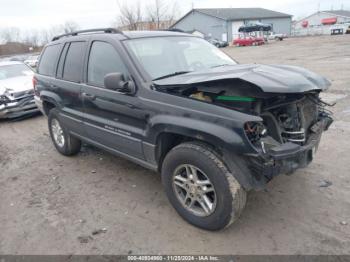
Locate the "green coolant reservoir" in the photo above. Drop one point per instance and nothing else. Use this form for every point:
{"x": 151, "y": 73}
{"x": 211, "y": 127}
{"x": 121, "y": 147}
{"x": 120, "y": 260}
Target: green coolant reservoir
{"x": 242, "y": 103}
{"x": 235, "y": 98}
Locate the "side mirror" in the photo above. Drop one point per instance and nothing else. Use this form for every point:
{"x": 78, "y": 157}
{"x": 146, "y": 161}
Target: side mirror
{"x": 116, "y": 81}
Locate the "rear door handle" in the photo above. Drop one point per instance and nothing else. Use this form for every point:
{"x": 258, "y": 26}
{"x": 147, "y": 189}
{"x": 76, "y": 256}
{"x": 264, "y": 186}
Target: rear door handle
{"x": 89, "y": 97}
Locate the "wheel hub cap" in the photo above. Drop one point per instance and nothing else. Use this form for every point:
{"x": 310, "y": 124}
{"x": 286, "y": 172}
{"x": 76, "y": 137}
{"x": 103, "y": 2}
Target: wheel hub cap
{"x": 57, "y": 133}
{"x": 194, "y": 190}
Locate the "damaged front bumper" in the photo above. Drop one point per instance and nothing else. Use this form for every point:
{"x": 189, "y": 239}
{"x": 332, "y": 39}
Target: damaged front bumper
{"x": 288, "y": 157}
{"x": 18, "y": 107}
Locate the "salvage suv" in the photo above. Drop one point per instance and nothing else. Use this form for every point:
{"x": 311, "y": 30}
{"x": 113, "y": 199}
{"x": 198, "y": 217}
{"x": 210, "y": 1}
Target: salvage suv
{"x": 174, "y": 103}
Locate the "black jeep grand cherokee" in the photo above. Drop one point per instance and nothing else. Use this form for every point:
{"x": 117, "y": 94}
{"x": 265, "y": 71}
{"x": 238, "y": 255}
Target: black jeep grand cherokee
{"x": 176, "y": 104}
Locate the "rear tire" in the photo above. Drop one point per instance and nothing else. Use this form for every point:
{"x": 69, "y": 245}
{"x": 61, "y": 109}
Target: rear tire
{"x": 65, "y": 143}
{"x": 227, "y": 197}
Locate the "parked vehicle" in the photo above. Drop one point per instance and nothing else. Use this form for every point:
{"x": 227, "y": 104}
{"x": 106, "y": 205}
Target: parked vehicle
{"x": 248, "y": 41}
{"x": 347, "y": 30}
{"x": 217, "y": 42}
{"x": 32, "y": 61}
{"x": 175, "y": 104}
{"x": 274, "y": 36}
{"x": 254, "y": 27}
{"x": 16, "y": 90}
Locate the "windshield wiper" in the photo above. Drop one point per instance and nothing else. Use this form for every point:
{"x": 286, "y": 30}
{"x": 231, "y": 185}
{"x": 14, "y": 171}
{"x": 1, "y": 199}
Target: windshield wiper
{"x": 220, "y": 65}
{"x": 172, "y": 74}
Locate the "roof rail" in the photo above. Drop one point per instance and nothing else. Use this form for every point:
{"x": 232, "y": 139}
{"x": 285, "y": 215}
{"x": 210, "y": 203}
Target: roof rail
{"x": 105, "y": 30}
{"x": 174, "y": 30}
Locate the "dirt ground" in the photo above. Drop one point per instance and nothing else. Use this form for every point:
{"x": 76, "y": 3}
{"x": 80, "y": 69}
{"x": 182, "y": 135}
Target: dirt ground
{"x": 50, "y": 204}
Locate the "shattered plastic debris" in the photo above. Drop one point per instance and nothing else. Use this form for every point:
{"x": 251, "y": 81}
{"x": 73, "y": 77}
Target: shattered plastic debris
{"x": 84, "y": 239}
{"x": 99, "y": 231}
{"x": 325, "y": 183}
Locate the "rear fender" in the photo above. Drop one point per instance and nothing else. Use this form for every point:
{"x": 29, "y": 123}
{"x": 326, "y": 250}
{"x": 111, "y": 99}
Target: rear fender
{"x": 51, "y": 97}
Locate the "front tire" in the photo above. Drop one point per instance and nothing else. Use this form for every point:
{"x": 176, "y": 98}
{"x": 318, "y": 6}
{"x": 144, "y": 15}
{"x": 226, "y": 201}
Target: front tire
{"x": 200, "y": 187}
{"x": 65, "y": 143}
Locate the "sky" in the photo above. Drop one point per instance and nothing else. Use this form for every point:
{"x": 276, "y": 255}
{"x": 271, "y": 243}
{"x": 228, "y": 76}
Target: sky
{"x": 43, "y": 14}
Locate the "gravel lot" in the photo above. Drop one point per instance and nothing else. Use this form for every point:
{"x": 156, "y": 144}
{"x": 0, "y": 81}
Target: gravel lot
{"x": 51, "y": 204}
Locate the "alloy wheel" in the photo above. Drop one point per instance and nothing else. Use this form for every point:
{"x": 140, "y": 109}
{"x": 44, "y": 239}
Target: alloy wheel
{"x": 194, "y": 190}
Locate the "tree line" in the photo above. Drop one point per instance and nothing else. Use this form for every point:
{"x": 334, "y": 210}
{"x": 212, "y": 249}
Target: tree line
{"x": 159, "y": 13}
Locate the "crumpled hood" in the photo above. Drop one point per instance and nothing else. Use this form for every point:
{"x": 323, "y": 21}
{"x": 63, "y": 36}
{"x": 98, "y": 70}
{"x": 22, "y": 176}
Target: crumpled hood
{"x": 15, "y": 84}
{"x": 270, "y": 78}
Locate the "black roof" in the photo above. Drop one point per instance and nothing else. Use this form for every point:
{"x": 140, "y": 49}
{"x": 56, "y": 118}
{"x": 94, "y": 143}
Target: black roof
{"x": 338, "y": 12}
{"x": 237, "y": 13}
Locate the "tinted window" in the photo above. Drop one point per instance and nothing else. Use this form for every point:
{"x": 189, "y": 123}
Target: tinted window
{"x": 48, "y": 60}
{"x": 103, "y": 59}
{"x": 73, "y": 64}
{"x": 61, "y": 61}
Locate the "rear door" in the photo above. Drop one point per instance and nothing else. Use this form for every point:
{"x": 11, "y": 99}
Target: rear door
{"x": 112, "y": 119}
{"x": 67, "y": 84}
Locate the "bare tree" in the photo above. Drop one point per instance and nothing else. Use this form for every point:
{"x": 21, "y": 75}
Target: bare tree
{"x": 162, "y": 11}
{"x": 45, "y": 36}
{"x": 11, "y": 34}
{"x": 130, "y": 16}
{"x": 69, "y": 26}
{"x": 32, "y": 38}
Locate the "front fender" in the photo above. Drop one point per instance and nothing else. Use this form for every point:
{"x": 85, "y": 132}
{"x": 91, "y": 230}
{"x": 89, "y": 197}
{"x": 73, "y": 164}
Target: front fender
{"x": 231, "y": 138}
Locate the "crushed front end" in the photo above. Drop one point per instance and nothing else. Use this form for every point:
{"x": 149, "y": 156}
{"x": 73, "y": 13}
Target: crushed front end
{"x": 289, "y": 135}
{"x": 17, "y": 104}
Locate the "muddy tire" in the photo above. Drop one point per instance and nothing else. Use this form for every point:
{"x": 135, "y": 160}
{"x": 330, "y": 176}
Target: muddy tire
{"x": 65, "y": 143}
{"x": 212, "y": 207}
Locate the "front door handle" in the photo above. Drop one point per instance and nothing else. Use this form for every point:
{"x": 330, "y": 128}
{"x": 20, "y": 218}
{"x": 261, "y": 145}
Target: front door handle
{"x": 89, "y": 97}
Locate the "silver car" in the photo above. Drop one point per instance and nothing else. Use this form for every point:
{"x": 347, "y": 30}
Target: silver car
{"x": 16, "y": 90}
{"x": 32, "y": 61}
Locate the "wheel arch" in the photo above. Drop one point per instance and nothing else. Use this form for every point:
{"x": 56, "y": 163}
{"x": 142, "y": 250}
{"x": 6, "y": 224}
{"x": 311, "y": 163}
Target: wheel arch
{"x": 50, "y": 100}
{"x": 169, "y": 131}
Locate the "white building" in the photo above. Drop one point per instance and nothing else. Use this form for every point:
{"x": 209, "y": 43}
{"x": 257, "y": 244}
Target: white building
{"x": 322, "y": 22}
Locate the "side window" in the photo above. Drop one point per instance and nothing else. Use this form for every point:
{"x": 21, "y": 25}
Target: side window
{"x": 61, "y": 61}
{"x": 103, "y": 59}
{"x": 48, "y": 60}
{"x": 73, "y": 65}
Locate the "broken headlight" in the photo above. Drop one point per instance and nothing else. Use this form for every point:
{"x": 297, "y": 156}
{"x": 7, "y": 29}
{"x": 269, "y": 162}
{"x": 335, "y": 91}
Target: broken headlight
{"x": 255, "y": 131}
{"x": 4, "y": 99}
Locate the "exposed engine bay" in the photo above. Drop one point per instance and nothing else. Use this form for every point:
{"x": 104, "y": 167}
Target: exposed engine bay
{"x": 287, "y": 117}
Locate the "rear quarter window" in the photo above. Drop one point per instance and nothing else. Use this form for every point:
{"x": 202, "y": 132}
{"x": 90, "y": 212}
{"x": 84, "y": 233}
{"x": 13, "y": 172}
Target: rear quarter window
{"x": 48, "y": 60}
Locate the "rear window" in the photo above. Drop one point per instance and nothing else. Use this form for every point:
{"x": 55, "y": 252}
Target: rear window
{"x": 48, "y": 60}
{"x": 73, "y": 65}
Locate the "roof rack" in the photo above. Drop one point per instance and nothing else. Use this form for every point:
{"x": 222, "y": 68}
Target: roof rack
{"x": 105, "y": 30}
{"x": 174, "y": 30}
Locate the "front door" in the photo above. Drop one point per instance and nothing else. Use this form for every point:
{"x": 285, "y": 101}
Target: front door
{"x": 112, "y": 119}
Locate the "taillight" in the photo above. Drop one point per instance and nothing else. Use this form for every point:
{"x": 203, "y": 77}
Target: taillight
{"x": 35, "y": 82}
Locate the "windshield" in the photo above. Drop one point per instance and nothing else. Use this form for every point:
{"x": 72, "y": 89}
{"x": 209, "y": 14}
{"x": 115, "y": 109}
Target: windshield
{"x": 168, "y": 56}
{"x": 9, "y": 71}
